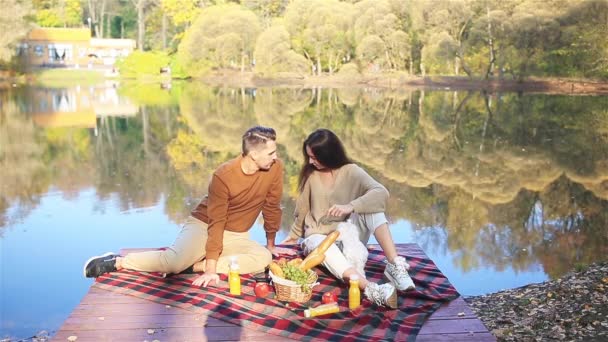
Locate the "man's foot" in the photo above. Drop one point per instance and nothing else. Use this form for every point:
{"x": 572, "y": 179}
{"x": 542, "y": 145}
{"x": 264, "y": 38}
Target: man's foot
{"x": 384, "y": 294}
{"x": 396, "y": 272}
{"x": 98, "y": 265}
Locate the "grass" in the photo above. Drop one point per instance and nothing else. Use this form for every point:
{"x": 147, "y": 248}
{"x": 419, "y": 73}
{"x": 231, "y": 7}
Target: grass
{"x": 61, "y": 78}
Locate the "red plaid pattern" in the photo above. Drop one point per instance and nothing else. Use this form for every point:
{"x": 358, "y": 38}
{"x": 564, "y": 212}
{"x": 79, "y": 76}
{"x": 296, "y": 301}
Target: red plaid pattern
{"x": 367, "y": 323}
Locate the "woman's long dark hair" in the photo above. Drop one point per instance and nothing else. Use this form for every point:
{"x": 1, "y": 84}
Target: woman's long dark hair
{"x": 328, "y": 150}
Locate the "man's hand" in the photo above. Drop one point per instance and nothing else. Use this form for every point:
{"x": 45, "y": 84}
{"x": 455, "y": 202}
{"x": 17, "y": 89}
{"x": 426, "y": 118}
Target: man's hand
{"x": 206, "y": 279}
{"x": 281, "y": 250}
{"x": 340, "y": 210}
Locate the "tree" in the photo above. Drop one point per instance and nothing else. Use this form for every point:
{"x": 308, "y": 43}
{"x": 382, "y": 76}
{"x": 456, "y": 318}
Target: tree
{"x": 14, "y": 25}
{"x": 222, "y": 35}
{"x": 378, "y": 34}
{"x": 450, "y": 22}
{"x": 274, "y": 54}
{"x": 321, "y": 31}
{"x": 58, "y": 13}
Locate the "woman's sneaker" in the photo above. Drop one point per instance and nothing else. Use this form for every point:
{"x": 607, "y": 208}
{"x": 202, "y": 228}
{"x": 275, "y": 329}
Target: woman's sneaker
{"x": 98, "y": 265}
{"x": 384, "y": 295}
{"x": 396, "y": 272}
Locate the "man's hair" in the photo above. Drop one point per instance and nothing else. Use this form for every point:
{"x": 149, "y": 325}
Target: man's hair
{"x": 255, "y": 136}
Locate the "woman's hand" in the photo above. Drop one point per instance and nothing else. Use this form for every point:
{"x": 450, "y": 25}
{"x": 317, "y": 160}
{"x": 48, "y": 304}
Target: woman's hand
{"x": 340, "y": 210}
{"x": 206, "y": 279}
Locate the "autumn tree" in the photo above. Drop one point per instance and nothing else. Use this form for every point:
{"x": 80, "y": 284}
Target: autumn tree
{"x": 223, "y": 36}
{"x": 58, "y": 13}
{"x": 14, "y": 25}
{"x": 274, "y": 54}
{"x": 321, "y": 30}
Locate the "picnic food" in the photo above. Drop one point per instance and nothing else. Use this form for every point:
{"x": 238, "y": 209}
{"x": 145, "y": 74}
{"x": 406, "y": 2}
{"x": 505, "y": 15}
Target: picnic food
{"x": 311, "y": 262}
{"x": 329, "y": 297}
{"x": 322, "y": 310}
{"x": 261, "y": 289}
{"x": 295, "y": 274}
{"x": 295, "y": 262}
{"x": 318, "y": 254}
{"x": 234, "y": 278}
{"x": 276, "y": 269}
{"x": 354, "y": 294}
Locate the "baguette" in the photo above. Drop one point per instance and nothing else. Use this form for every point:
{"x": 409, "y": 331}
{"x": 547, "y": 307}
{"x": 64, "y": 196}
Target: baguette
{"x": 319, "y": 251}
{"x": 311, "y": 262}
{"x": 324, "y": 245}
{"x": 276, "y": 269}
{"x": 295, "y": 262}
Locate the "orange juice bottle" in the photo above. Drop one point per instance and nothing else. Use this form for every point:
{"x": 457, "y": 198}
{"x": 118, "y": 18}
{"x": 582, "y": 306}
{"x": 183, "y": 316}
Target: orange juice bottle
{"x": 234, "y": 278}
{"x": 322, "y": 310}
{"x": 354, "y": 293}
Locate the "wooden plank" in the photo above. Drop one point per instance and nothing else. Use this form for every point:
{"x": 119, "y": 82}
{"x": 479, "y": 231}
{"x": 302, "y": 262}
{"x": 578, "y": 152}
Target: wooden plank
{"x": 233, "y": 333}
{"x": 456, "y": 309}
{"x": 109, "y": 316}
{"x": 462, "y": 337}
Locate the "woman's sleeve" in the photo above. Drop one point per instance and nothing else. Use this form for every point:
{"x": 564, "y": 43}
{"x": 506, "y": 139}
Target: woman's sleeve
{"x": 373, "y": 194}
{"x": 302, "y": 209}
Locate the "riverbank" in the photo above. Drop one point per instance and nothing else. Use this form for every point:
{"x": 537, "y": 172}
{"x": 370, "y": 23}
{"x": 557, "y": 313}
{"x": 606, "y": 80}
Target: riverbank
{"x": 404, "y": 81}
{"x": 573, "y": 307}
{"x": 393, "y": 81}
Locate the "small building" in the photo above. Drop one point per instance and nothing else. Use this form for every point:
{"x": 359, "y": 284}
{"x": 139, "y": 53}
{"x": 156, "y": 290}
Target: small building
{"x": 72, "y": 48}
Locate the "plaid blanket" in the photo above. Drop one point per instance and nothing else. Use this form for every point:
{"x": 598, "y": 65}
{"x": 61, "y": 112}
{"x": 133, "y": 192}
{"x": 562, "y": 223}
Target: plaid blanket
{"x": 366, "y": 323}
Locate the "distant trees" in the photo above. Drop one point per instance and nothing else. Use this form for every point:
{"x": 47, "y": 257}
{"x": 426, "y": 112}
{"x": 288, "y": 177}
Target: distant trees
{"x": 223, "y": 35}
{"x": 58, "y": 13}
{"x": 14, "y": 25}
{"x": 476, "y": 38}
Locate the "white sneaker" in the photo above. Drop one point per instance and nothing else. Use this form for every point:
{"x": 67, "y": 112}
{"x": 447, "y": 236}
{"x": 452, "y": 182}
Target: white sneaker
{"x": 384, "y": 294}
{"x": 396, "y": 272}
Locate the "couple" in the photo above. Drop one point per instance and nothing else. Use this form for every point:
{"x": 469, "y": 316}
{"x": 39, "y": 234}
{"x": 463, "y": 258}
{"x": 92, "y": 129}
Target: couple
{"x": 332, "y": 189}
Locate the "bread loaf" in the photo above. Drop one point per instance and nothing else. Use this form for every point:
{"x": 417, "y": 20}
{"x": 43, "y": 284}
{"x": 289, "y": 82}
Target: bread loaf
{"x": 318, "y": 254}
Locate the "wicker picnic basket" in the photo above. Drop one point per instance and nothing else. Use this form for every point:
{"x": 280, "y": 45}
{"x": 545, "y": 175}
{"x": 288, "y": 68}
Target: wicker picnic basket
{"x": 290, "y": 291}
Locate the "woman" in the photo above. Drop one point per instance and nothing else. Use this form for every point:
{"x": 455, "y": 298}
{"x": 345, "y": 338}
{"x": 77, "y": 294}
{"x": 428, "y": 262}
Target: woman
{"x": 333, "y": 189}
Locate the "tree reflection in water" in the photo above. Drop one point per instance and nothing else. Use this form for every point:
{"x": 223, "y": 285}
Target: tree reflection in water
{"x": 511, "y": 179}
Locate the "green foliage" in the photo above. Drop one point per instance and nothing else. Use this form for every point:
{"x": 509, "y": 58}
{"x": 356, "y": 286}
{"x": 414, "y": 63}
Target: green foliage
{"x": 55, "y": 13}
{"x": 479, "y": 38}
{"x": 14, "y": 24}
{"x": 273, "y": 54}
{"x": 141, "y": 63}
{"x": 222, "y": 36}
{"x": 60, "y": 78}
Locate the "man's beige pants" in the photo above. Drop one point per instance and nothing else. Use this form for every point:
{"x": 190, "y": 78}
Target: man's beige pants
{"x": 189, "y": 248}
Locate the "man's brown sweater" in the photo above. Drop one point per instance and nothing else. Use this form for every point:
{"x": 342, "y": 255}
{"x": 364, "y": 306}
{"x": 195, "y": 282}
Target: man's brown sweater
{"x": 236, "y": 199}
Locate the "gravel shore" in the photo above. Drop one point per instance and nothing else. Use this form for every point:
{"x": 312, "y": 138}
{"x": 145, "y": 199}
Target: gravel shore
{"x": 571, "y": 308}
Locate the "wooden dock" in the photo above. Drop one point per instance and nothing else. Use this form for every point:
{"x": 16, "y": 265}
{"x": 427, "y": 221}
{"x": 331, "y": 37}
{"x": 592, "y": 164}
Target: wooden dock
{"x": 107, "y": 316}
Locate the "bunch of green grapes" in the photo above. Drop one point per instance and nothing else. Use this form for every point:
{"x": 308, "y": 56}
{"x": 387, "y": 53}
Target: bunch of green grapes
{"x": 294, "y": 273}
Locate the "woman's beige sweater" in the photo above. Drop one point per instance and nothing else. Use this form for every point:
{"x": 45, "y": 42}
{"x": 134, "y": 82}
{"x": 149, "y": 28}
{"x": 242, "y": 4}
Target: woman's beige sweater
{"x": 352, "y": 185}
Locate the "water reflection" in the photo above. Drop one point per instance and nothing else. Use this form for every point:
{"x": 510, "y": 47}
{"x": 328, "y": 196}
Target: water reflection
{"x": 492, "y": 186}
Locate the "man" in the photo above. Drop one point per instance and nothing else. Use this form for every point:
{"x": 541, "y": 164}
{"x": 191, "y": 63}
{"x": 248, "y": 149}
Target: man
{"x": 218, "y": 228}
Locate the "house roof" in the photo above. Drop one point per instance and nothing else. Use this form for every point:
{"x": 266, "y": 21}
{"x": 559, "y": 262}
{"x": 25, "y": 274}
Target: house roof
{"x": 59, "y": 34}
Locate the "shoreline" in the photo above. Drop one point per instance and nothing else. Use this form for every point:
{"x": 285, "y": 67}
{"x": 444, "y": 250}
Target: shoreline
{"x": 573, "y": 307}
{"x": 390, "y": 81}
{"x": 566, "y": 86}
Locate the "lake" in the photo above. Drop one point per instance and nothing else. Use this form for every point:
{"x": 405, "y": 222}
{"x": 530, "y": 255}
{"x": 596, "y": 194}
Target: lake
{"x": 499, "y": 189}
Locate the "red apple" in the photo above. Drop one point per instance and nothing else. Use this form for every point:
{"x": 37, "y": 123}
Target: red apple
{"x": 261, "y": 289}
{"x": 329, "y": 297}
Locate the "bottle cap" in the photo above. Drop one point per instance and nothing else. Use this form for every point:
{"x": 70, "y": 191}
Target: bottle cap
{"x": 354, "y": 277}
{"x": 233, "y": 262}
{"x": 307, "y": 313}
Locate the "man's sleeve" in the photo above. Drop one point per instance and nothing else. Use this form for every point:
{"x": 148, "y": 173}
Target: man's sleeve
{"x": 218, "y": 215}
{"x": 271, "y": 211}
